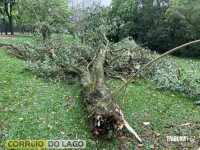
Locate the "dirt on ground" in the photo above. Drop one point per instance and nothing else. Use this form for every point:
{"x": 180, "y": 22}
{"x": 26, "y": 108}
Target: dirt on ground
{"x": 6, "y": 36}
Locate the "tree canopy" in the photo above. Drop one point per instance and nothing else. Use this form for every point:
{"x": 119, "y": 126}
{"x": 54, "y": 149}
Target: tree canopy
{"x": 44, "y": 16}
{"x": 159, "y": 25}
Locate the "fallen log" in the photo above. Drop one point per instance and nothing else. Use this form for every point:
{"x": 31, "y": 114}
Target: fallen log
{"x": 105, "y": 115}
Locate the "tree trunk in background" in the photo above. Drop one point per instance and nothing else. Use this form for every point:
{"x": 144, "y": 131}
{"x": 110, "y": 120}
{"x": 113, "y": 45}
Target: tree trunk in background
{"x": 8, "y": 6}
{"x": 11, "y": 28}
{"x": 5, "y": 26}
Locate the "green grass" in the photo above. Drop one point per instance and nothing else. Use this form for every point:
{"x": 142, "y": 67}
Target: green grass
{"x": 33, "y": 108}
{"x": 18, "y": 38}
{"x": 68, "y": 37}
{"x": 165, "y": 111}
{"x": 186, "y": 63}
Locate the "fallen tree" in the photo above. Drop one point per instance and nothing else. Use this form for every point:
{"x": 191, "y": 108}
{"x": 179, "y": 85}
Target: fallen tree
{"x": 105, "y": 115}
{"x": 91, "y": 62}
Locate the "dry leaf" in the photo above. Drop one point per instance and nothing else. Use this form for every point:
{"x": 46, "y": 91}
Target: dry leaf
{"x": 122, "y": 137}
{"x": 98, "y": 117}
{"x": 156, "y": 133}
{"x": 69, "y": 99}
{"x": 62, "y": 133}
{"x": 140, "y": 145}
{"x": 21, "y": 119}
{"x": 185, "y": 124}
{"x": 146, "y": 123}
{"x": 42, "y": 119}
{"x": 50, "y": 126}
{"x": 70, "y": 134}
{"x": 92, "y": 141}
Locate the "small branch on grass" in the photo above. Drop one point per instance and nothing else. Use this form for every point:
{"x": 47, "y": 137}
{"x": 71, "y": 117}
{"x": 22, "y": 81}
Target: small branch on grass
{"x": 72, "y": 68}
{"x": 17, "y": 54}
{"x": 118, "y": 77}
{"x": 1, "y": 45}
{"x": 129, "y": 128}
{"x": 90, "y": 64}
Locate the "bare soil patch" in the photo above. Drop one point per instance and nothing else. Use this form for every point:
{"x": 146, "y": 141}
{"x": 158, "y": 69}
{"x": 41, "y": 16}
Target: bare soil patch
{"x": 6, "y": 36}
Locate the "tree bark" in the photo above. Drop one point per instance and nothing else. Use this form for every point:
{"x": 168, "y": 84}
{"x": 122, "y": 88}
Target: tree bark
{"x": 4, "y": 27}
{"x": 105, "y": 114}
{"x": 8, "y": 10}
{"x": 10, "y": 18}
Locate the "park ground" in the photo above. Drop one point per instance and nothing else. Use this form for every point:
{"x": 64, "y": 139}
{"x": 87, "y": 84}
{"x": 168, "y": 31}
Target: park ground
{"x": 34, "y": 108}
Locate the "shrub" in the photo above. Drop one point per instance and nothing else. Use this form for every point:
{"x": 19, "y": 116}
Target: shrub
{"x": 123, "y": 59}
{"x": 169, "y": 76}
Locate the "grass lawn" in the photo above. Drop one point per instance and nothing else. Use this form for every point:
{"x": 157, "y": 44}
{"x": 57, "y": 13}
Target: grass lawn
{"x": 29, "y": 38}
{"x": 186, "y": 63}
{"x": 33, "y": 108}
{"x": 68, "y": 37}
{"x": 16, "y": 37}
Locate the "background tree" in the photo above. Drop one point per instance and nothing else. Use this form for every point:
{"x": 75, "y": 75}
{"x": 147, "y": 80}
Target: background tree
{"x": 9, "y": 4}
{"x": 44, "y": 17}
{"x": 143, "y": 21}
{"x": 158, "y": 24}
{"x": 183, "y": 17}
{"x": 6, "y": 10}
{"x": 79, "y": 8}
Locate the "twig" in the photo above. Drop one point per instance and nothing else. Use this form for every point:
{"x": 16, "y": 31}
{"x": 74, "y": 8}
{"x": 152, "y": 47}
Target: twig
{"x": 90, "y": 64}
{"x": 118, "y": 77}
{"x": 129, "y": 128}
{"x": 1, "y": 45}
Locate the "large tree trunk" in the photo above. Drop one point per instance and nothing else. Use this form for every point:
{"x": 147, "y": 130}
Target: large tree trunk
{"x": 104, "y": 112}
